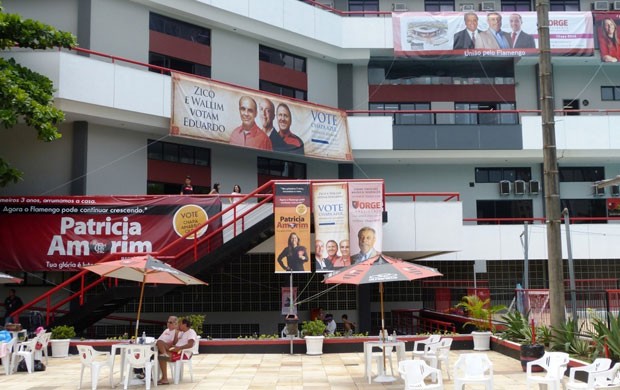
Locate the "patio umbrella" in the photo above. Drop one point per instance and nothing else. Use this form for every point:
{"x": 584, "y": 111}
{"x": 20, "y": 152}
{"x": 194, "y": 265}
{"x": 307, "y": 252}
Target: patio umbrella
{"x": 143, "y": 269}
{"x": 6, "y": 278}
{"x": 380, "y": 269}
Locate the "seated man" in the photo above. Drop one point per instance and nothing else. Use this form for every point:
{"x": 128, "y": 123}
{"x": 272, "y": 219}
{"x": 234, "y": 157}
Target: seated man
{"x": 169, "y": 336}
{"x": 330, "y": 329}
{"x": 187, "y": 339}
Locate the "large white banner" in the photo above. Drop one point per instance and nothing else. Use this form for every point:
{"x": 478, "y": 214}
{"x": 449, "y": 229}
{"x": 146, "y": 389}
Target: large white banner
{"x": 365, "y": 219}
{"x": 217, "y": 112}
{"x": 499, "y": 34}
{"x": 331, "y": 226}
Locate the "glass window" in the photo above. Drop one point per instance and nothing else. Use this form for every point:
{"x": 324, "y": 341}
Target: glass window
{"x": 503, "y": 209}
{"x": 155, "y": 150}
{"x": 282, "y": 90}
{"x": 610, "y": 93}
{"x": 278, "y": 57}
{"x": 404, "y": 118}
{"x": 171, "y": 152}
{"x": 165, "y": 61}
{"x": 494, "y": 118}
{"x": 581, "y": 174}
{"x": 179, "y": 29}
{"x": 495, "y": 175}
{"x": 364, "y": 5}
{"x": 585, "y": 208}
{"x": 438, "y": 5}
{"x": 564, "y": 5}
{"x": 516, "y": 5}
{"x": 281, "y": 168}
{"x": 185, "y": 154}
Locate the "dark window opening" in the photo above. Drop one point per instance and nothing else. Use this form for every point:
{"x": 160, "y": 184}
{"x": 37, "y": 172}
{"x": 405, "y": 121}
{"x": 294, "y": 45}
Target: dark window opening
{"x": 281, "y": 58}
{"x": 564, "y": 5}
{"x": 495, "y": 175}
{"x": 404, "y": 118}
{"x": 516, "y": 5}
{"x": 165, "y": 61}
{"x": 282, "y": 90}
{"x": 504, "y": 209}
{"x": 585, "y": 208}
{"x": 179, "y": 29}
{"x": 581, "y": 174}
{"x": 610, "y": 93}
{"x": 184, "y": 154}
{"x": 281, "y": 168}
{"x": 483, "y": 118}
{"x": 438, "y": 5}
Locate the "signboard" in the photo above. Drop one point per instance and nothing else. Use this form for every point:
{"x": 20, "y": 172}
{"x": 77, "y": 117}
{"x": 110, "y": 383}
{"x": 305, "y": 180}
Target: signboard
{"x": 217, "y": 112}
{"x": 331, "y": 226}
{"x": 495, "y": 34}
{"x": 365, "y": 219}
{"x": 606, "y": 24}
{"x": 292, "y": 227}
{"x": 55, "y": 233}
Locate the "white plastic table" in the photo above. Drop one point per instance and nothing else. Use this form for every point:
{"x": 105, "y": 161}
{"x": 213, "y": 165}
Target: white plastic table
{"x": 122, "y": 347}
{"x": 370, "y": 345}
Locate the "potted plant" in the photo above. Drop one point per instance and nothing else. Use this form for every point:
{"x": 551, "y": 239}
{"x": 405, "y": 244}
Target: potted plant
{"x": 61, "y": 336}
{"x": 518, "y": 330}
{"x": 313, "y": 332}
{"x": 481, "y": 313}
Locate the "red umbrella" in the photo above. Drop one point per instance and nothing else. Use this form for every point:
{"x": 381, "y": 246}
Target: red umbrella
{"x": 381, "y": 269}
{"x": 144, "y": 269}
{"x": 6, "y": 278}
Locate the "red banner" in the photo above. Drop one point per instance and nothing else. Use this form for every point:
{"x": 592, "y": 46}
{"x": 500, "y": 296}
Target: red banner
{"x": 64, "y": 233}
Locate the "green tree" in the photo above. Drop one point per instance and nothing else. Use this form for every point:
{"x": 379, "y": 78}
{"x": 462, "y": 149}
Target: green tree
{"x": 26, "y": 95}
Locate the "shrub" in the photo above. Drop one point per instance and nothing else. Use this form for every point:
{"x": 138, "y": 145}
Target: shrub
{"x": 63, "y": 332}
{"x": 313, "y": 328}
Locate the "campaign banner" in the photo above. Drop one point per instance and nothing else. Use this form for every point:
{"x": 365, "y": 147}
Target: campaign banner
{"x": 288, "y": 300}
{"x": 607, "y": 35}
{"x": 64, "y": 233}
{"x": 613, "y": 207}
{"x": 211, "y": 111}
{"x": 292, "y": 227}
{"x": 331, "y": 226}
{"x": 489, "y": 34}
{"x": 365, "y": 219}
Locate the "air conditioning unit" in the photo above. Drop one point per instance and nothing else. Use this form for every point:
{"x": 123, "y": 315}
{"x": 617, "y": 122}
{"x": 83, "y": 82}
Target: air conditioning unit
{"x": 615, "y": 190}
{"x": 519, "y": 187}
{"x": 534, "y": 187}
{"x": 399, "y": 7}
{"x": 469, "y": 7}
{"x": 598, "y": 191}
{"x": 600, "y": 6}
{"x": 504, "y": 187}
{"x": 616, "y": 5}
{"x": 487, "y": 6}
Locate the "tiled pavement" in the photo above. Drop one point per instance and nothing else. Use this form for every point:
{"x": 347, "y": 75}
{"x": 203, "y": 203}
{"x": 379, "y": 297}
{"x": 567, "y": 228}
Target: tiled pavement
{"x": 256, "y": 371}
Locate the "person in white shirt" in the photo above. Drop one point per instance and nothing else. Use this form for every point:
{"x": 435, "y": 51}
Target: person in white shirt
{"x": 187, "y": 339}
{"x": 169, "y": 336}
{"x": 331, "y": 325}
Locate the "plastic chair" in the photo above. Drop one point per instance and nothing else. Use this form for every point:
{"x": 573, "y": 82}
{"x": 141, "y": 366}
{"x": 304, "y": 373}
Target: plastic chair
{"x": 24, "y": 350}
{"x": 438, "y": 355}
{"x": 89, "y": 358}
{"x": 600, "y": 364}
{"x": 473, "y": 368}
{"x": 554, "y": 364}
{"x": 415, "y": 372}
{"x": 177, "y": 367}
{"x": 44, "y": 340}
{"x": 7, "y": 349}
{"x": 606, "y": 379}
{"x": 140, "y": 357}
{"x": 417, "y": 352}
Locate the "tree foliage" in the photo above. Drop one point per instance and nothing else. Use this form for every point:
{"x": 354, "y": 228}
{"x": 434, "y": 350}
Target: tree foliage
{"x": 26, "y": 95}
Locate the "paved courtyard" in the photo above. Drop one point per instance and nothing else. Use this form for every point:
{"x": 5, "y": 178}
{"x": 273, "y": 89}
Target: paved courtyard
{"x": 256, "y": 371}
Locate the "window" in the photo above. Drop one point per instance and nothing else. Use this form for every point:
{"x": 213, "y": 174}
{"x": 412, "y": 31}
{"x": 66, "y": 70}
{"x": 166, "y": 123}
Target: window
{"x": 364, "y": 5}
{"x": 177, "y": 64}
{"x": 438, "y": 5}
{"x": 184, "y": 154}
{"x": 485, "y": 119}
{"x": 179, "y": 29}
{"x": 582, "y": 174}
{"x": 405, "y": 118}
{"x": 282, "y": 90}
{"x": 503, "y": 209}
{"x": 563, "y": 5}
{"x": 158, "y": 188}
{"x": 495, "y": 175}
{"x": 281, "y": 169}
{"x": 516, "y": 5}
{"x": 585, "y": 208}
{"x": 610, "y": 93}
{"x": 281, "y": 58}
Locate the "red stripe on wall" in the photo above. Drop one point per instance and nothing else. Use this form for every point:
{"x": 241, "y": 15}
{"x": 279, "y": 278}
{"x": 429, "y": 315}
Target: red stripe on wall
{"x": 179, "y": 48}
{"x": 283, "y": 76}
{"x": 441, "y": 93}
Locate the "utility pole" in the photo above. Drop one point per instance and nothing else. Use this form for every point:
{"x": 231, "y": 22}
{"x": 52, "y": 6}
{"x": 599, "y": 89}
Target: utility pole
{"x": 550, "y": 168}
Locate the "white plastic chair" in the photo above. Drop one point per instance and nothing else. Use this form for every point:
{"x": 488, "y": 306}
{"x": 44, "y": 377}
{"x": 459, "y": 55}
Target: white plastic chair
{"x": 140, "y": 357}
{"x": 415, "y": 372}
{"x": 473, "y": 368}
{"x": 91, "y": 358}
{"x": 606, "y": 379}
{"x": 438, "y": 355}
{"x": 44, "y": 340}
{"x": 24, "y": 350}
{"x": 177, "y": 367}
{"x": 7, "y": 353}
{"x": 554, "y": 364}
{"x": 419, "y": 352}
{"x": 600, "y": 364}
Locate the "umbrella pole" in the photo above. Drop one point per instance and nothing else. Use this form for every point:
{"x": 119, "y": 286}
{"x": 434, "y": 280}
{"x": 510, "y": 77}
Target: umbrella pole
{"x": 139, "y": 309}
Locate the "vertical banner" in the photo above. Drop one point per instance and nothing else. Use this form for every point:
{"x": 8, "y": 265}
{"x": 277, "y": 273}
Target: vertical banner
{"x": 288, "y": 300}
{"x": 365, "y": 219}
{"x": 292, "y": 225}
{"x": 331, "y": 226}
